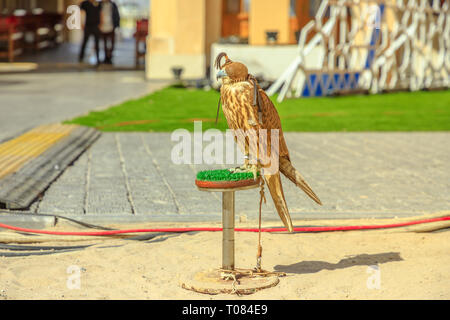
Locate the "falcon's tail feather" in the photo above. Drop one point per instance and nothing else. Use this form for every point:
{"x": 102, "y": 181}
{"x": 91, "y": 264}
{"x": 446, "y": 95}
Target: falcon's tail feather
{"x": 292, "y": 174}
{"x": 276, "y": 191}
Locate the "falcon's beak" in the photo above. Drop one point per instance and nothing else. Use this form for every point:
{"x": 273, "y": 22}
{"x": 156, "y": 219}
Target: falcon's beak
{"x": 222, "y": 73}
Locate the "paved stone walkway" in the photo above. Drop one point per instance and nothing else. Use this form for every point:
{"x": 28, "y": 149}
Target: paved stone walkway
{"x": 130, "y": 177}
{"x": 31, "y": 99}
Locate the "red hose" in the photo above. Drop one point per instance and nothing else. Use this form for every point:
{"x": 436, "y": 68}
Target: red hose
{"x": 298, "y": 229}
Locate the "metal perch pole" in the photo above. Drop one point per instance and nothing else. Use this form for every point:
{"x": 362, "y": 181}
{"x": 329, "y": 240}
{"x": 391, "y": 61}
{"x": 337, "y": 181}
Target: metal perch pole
{"x": 228, "y": 230}
{"x": 228, "y": 278}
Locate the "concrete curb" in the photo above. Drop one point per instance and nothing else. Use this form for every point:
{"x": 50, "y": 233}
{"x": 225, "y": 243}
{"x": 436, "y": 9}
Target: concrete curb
{"x": 27, "y": 221}
{"x": 37, "y": 221}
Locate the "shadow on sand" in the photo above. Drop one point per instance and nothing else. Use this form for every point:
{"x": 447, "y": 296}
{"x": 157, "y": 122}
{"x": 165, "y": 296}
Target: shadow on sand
{"x": 358, "y": 260}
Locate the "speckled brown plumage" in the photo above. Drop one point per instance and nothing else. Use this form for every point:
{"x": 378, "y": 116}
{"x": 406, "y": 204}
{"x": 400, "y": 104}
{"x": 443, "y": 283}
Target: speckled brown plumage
{"x": 238, "y": 105}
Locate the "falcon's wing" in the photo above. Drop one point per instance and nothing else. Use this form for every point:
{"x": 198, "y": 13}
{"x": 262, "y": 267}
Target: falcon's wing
{"x": 271, "y": 120}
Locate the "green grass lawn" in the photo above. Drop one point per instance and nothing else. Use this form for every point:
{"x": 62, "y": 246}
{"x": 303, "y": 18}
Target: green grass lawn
{"x": 173, "y": 108}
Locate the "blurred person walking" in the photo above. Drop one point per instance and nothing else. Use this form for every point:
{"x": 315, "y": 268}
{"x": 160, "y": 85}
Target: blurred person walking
{"x": 109, "y": 21}
{"x": 91, "y": 21}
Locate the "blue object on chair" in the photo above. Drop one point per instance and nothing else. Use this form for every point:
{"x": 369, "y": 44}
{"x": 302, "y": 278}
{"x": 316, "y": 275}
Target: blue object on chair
{"x": 347, "y": 81}
{"x": 313, "y": 81}
{"x": 305, "y": 92}
{"x": 356, "y": 78}
{"x": 336, "y": 81}
{"x": 326, "y": 83}
{"x": 318, "y": 92}
{"x": 352, "y": 83}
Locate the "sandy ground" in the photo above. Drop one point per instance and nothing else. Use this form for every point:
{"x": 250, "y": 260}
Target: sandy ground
{"x": 337, "y": 265}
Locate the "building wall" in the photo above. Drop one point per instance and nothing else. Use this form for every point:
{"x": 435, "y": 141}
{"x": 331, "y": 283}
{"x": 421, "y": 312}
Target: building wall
{"x": 213, "y": 25}
{"x": 180, "y": 35}
{"x": 268, "y": 15}
{"x": 72, "y": 36}
{"x": 182, "y": 32}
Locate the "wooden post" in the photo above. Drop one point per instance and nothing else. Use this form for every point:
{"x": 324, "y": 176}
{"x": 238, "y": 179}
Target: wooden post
{"x": 228, "y": 230}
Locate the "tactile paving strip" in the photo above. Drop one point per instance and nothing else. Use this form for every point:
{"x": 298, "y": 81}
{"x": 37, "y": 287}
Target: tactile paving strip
{"x": 16, "y": 152}
{"x": 30, "y": 162}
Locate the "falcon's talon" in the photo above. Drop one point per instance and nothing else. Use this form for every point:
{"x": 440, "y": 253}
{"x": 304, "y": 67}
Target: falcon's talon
{"x": 253, "y": 168}
{"x": 242, "y": 168}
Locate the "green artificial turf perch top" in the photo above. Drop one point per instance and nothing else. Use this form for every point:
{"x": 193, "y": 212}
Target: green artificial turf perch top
{"x": 223, "y": 175}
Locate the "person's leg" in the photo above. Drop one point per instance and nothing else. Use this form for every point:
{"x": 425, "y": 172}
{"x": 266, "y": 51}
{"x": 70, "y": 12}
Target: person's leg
{"x": 97, "y": 40}
{"x": 105, "y": 46}
{"x": 108, "y": 44}
{"x": 113, "y": 39}
{"x": 86, "y": 35}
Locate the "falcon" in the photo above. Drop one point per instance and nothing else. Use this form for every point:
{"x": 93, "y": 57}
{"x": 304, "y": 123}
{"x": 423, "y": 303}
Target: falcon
{"x": 247, "y": 108}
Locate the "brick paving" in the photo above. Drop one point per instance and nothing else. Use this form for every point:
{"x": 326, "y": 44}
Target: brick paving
{"x": 31, "y": 99}
{"x": 131, "y": 177}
